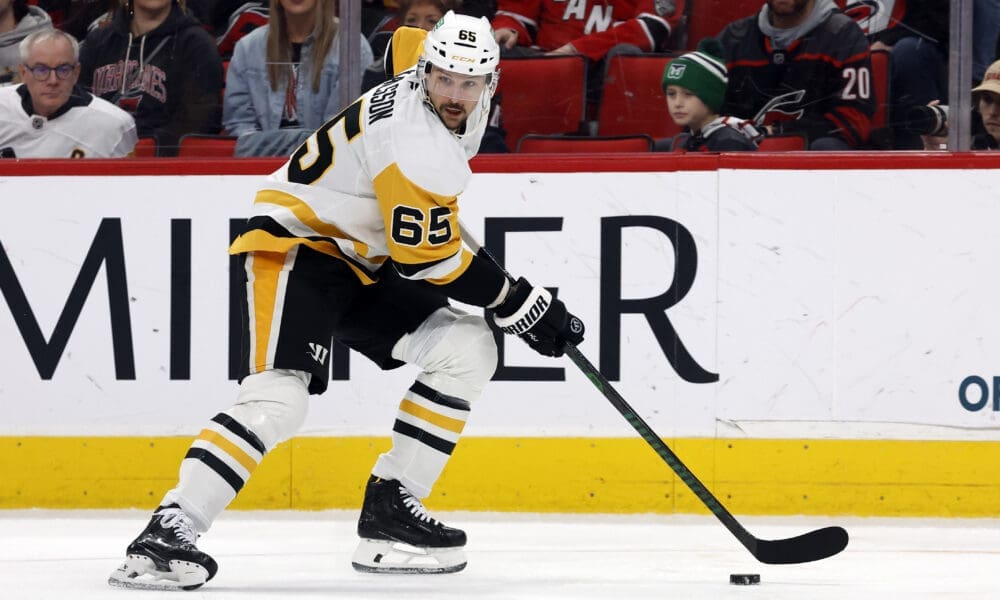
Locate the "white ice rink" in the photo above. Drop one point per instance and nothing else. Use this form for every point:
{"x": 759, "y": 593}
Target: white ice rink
{"x": 68, "y": 555}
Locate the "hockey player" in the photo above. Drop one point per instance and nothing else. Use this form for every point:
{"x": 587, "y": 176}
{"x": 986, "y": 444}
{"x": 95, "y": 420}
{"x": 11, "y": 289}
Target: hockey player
{"x": 356, "y": 238}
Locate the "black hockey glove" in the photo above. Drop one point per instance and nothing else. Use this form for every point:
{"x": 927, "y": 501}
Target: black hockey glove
{"x": 532, "y": 314}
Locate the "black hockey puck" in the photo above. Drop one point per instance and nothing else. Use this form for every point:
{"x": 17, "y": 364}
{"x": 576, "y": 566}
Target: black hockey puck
{"x": 744, "y": 579}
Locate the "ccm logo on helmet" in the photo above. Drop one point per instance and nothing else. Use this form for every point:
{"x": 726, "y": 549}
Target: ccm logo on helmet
{"x": 462, "y": 59}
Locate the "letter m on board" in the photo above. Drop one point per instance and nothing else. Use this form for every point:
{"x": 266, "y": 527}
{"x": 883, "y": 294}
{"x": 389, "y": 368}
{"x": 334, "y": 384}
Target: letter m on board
{"x": 107, "y": 249}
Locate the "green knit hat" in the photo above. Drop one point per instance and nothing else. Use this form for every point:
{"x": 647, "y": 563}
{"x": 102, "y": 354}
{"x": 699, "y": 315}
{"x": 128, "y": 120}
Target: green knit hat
{"x": 702, "y": 71}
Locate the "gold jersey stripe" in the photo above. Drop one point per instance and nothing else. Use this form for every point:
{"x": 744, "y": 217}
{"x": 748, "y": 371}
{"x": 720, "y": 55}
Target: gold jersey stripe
{"x": 237, "y": 453}
{"x": 448, "y": 423}
{"x": 266, "y": 268}
{"x": 262, "y": 241}
{"x": 307, "y": 216}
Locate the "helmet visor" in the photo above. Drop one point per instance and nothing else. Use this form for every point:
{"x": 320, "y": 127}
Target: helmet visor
{"x": 456, "y": 86}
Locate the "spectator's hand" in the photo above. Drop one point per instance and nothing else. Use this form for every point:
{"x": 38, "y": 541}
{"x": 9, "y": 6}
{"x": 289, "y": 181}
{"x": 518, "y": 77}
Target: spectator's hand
{"x": 567, "y": 49}
{"x": 506, "y": 37}
{"x": 936, "y": 142}
{"x": 744, "y": 127}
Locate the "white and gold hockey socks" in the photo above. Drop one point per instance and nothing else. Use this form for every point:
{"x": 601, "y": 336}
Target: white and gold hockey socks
{"x": 215, "y": 469}
{"x": 427, "y": 428}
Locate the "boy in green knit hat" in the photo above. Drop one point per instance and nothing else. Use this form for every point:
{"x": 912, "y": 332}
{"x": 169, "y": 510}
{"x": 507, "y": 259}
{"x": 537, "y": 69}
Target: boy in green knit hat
{"x": 695, "y": 86}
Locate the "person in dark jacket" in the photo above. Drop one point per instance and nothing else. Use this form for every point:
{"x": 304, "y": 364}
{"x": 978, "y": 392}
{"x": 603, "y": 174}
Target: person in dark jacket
{"x": 801, "y": 67}
{"x": 156, "y": 61}
{"x": 695, "y": 86}
{"x": 919, "y": 46}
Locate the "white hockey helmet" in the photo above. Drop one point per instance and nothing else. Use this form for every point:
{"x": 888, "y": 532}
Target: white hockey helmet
{"x": 462, "y": 44}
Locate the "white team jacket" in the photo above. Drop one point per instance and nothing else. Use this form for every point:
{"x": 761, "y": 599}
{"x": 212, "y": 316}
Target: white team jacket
{"x": 89, "y": 128}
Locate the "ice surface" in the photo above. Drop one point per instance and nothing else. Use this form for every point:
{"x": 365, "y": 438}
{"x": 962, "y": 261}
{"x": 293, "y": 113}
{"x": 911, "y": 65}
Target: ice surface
{"x": 59, "y": 555}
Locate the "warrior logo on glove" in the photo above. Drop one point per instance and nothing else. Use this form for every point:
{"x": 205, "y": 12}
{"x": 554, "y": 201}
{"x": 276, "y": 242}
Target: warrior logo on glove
{"x": 542, "y": 321}
{"x": 537, "y": 309}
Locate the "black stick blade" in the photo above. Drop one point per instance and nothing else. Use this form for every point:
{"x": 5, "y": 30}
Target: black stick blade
{"x": 815, "y": 545}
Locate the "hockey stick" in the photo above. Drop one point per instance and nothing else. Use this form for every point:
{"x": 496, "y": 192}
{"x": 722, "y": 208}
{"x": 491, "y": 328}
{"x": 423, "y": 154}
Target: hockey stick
{"x": 814, "y": 545}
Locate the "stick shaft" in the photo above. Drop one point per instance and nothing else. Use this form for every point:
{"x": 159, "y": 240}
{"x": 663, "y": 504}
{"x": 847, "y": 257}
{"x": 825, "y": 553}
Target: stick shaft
{"x": 814, "y": 545}
{"x": 637, "y": 423}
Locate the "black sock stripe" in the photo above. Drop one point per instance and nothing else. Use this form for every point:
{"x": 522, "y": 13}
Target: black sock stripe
{"x": 238, "y": 429}
{"x": 215, "y": 463}
{"x": 436, "y": 397}
{"x": 404, "y": 428}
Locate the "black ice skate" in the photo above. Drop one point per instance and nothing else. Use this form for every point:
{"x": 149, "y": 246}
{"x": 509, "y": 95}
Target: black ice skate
{"x": 164, "y": 556}
{"x": 398, "y": 536}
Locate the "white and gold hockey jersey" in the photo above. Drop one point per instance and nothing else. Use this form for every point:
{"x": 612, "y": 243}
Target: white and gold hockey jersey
{"x": 378, "y": 181}
{"x": 85, "y": 127}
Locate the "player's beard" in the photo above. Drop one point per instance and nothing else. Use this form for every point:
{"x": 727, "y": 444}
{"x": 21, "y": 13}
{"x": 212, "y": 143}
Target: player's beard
{"x": 452, "y": 120}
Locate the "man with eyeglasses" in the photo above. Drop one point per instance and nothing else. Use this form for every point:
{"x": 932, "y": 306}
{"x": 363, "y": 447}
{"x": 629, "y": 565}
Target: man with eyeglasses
{"x": 47, "y": 116}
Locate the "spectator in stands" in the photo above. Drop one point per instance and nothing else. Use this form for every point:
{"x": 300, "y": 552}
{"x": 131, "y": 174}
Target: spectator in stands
{"x": 985, "y": 35}
{"x": 78, "y": 17}
{"x": 695, "y": 86}
{"x": 157, "y": 63}
{"x": 283, "y": 81}
{"x": 47, "y": 116}
{"x": 595, "y": 29}
{"x": 590, "y": 28}
{"x": 801, "y": 66}
{"x": 928, "y": 21}
{"x": 231, "y": 20}
{"x": 424, "y": 13}
{"x": 412, "y": 13}
{"x": 384, "y": 17}
{"x": 17, "y": 21}
{"x": 919, "y": 67}
{"x": 986, "y": 99}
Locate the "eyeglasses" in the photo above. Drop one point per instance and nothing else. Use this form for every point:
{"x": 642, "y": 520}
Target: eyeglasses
{"x": 41, "y": 72}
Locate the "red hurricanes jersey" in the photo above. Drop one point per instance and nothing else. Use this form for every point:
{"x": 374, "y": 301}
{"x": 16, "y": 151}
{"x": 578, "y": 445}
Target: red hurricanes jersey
{"x": 592, "y": 26}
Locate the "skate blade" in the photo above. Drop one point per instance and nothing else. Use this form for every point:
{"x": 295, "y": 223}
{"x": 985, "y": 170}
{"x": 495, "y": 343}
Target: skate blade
{"x": 382, "y": 556}
{"x": 140, "y": 573}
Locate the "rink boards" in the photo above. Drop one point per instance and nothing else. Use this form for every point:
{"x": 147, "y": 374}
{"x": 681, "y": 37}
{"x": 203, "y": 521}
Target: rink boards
{"x": 810, "y": 334}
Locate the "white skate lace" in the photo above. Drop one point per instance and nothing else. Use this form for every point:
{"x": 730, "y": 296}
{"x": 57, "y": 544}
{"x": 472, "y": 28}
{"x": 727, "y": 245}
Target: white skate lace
{"x": 416, "y": 506}
{"x": 173, "y": 518}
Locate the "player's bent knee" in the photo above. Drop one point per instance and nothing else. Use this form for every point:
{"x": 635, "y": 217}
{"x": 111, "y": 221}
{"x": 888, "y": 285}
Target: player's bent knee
{"x": 475, "y": 350}
{"x": 273, "y": 404}
{"x": 456, "y": 350}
